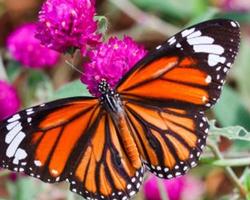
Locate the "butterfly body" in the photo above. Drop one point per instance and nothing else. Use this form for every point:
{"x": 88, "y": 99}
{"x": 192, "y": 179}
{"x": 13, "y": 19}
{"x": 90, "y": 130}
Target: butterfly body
{"x": 153, "y": 119}
{"x": 112, "y": 103}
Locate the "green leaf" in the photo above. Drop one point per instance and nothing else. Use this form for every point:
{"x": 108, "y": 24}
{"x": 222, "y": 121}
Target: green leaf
{"x": 75, "y": 88}
{"x": 246, "y": 181}
{"x": 173, "y": 9}
{"x": 231, "y": 132}
{"x": 241, "y": 70}
{"x": 37, "y": 87}
{"x": 102, "y": 24}
{"x": 230, "y": 111}
{"x": 13, "y": 70}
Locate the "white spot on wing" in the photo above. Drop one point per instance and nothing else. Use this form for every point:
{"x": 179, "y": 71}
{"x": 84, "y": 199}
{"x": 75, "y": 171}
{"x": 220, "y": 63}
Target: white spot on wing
{"x": 187, "y": 32}
{"x": 29, "y": 119}
{"x": 178, "y": 45}
{"x": 204, "y": 99}
{"x": 38, "y": 163}
{"x": 11, "y": 125}
{"x": 201, "y": 40}
{"x": 29, "y": 111}
{"x": 53, "y": 171}
{"x": 172, "y": 40}
{"x": 19, "y": 155}
{"x": 195, "y": 34}
{"x": 233, "y": 24}
{"x": 169, "y": 176}
{"x": 12, "y": 134}
{"x": 14, "y": 118}
{"x": 211, "y": 49}
{"x": 158, "y": 47}
{"x": 208, "y": 79}
{"x": 15, "y": 144}
{"x": 215, "y": 59}
{"x": 132, "y": 193}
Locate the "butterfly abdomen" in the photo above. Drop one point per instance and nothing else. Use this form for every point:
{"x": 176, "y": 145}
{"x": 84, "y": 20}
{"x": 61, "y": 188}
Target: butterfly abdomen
{"x": 128, "y": 142}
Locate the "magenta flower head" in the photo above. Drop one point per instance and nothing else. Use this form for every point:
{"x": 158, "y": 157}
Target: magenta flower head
{"x": 110, "y": 61}
{"x": 26, "y": 49}
{"x": 179, "y": 188}
{"x": 68, "y": 24}
{"x": 9, "y": 100}
{"x": 236, "y": 5}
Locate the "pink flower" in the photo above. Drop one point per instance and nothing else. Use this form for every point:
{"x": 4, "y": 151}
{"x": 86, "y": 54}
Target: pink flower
{"x": 9, "y": 100}
{"x": 235, "y": 5}
{"x": 110, "y": 61}
{"x": 26, "y": 49}
{"x": 68, "y": 24}
{"x": 176, "y": 189}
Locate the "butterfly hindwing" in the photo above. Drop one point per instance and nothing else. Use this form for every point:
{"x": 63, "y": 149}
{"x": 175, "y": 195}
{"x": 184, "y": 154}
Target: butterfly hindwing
{"x": 170, "y": 140}
{"x": 188, "y": 71}
{"x": 103, "y": 170}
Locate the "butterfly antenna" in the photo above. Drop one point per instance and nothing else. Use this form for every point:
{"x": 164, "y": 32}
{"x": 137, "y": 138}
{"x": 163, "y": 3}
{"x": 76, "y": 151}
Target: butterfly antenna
{"x": 73, "y": 67}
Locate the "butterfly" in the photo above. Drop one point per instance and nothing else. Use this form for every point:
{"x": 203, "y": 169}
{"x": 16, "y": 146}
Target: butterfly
{"x": 152, "y": 120}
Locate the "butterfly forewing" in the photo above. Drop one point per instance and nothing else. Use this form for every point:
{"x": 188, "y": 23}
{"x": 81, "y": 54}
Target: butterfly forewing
{"x": 39, "y": 141}
{"x": 188, "y": 71}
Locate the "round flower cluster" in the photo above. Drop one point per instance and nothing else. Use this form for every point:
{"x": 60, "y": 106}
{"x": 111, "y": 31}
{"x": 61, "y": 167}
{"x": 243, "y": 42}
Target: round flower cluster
{"x": 9, "y": 100}
{"x": 176, "y": 189}
{"x": 66, "y": 24}
{"x": 235, "y": 5}
{"x": 26, "y": 49}
{"x": 110, "y": 61}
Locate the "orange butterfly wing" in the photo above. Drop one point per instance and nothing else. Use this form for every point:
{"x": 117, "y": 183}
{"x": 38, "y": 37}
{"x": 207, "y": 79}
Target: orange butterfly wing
{"x": 188, "y": 71}
{"x": 104, "y": 169}
{"x": 169, "y": 140}
{"x": 41, "y": 141}
{"x": 166, "y": 93}
{"x": 75, "y": 140}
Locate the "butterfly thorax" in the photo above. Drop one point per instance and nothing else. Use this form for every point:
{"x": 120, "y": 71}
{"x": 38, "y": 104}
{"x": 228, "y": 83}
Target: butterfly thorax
{"x": 109, "y": 98}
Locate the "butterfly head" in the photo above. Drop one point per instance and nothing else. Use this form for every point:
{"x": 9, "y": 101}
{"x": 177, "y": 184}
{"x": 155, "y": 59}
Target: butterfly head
{"x": 104, "y": 88}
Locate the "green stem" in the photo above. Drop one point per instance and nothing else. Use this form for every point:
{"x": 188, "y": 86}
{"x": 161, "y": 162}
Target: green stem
{"x": 162, "y": 189}
{"x": 232, "y": 162}
{"x": 230, "y": 173}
